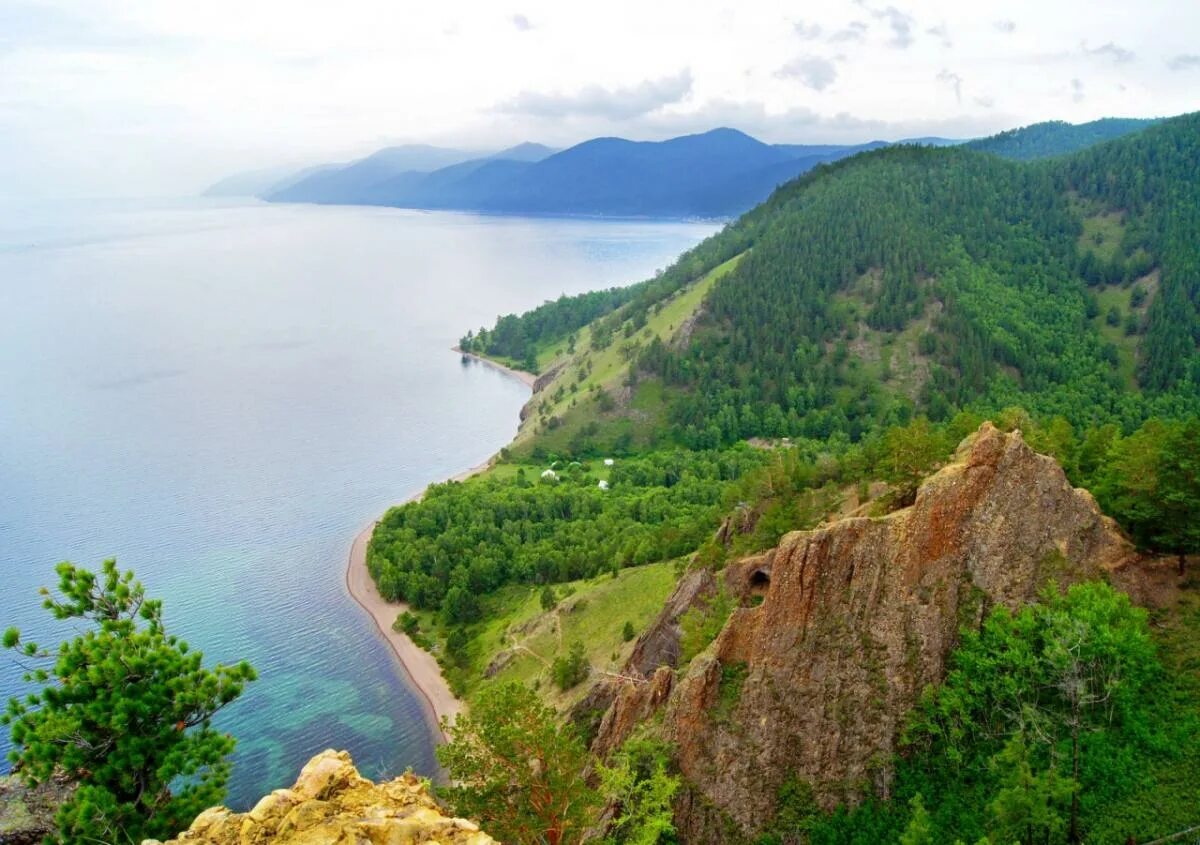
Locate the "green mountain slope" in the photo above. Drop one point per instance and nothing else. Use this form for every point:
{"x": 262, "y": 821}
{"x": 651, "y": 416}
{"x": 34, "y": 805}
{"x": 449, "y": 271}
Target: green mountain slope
{"x": 1056, "y": 137}
{"x": 872, "y": 313}
{"x": 903, "y": 283}
{"x": 915, "y": 280}
{"x": 522, "y": 338}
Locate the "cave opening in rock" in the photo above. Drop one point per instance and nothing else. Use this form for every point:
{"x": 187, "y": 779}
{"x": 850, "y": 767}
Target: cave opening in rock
{"x": 760, "y": 581}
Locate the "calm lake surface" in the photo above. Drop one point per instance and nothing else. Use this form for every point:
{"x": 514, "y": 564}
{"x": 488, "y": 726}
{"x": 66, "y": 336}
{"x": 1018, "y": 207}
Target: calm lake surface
{"x": 222, "y": 396}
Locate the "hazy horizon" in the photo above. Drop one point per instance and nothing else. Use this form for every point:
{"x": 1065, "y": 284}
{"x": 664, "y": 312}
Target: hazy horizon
{"x": 125, "y": 98}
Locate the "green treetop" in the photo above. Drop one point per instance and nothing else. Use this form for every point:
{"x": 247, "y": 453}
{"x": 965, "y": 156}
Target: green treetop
{"x": 516, "y": 770}
{"x": 124, "y": 711}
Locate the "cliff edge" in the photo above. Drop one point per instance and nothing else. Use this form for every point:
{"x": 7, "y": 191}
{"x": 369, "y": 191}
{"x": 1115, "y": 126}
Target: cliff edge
{"x": 332, "y": 804}
{"x": 842, "y": 627}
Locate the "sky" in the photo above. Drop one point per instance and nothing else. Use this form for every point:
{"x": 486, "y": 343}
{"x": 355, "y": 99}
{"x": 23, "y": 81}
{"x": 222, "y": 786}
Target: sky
{"x": 162, "y": 97}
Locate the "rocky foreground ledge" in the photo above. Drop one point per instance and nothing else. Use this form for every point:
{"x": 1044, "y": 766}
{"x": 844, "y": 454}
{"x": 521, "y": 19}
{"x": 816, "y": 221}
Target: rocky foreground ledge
{"x": 332, "y": 804}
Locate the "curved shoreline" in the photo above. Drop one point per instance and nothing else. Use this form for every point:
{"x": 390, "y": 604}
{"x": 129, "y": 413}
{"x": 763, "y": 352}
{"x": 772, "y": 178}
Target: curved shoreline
{"x": 421, "y": 667}
{"x": 528, "y": 379}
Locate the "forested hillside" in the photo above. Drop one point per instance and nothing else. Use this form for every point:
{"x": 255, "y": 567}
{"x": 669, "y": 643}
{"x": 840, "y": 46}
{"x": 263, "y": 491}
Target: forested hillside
{"x": 1056, "y": 137}
{"x": 854, "y": 328}
{"x": 519, "y": 338}
{"x": 915, "y": 280}
{"x": 904, "y": 283}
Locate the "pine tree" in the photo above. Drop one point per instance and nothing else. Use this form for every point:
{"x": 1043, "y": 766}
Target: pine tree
{"x": 125, "y": 711}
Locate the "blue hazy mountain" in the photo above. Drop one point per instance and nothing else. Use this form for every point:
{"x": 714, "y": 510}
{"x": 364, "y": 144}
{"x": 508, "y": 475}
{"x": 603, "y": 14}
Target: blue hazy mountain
{"x": 619, "y": 177}
{"x": 251, "y": 183}
{"x": 345, "y": 184}
{"x": 361, "y": 182}
{"x": 260, "y": 183}
{"x": 717, "y": 173}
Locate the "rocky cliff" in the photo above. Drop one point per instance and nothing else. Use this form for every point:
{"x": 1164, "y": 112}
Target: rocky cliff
{"x": 332, "y": 804}
{"x": 813, "y": 679}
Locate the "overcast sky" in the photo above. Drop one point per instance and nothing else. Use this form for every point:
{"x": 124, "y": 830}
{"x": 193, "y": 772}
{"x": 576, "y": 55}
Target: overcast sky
{"x": 141, "y": 97}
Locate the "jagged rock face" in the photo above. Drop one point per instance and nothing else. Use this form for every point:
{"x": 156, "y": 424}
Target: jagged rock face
{"x": 332, "y": 804}
{"x": 632, "y": 703}
{"x": 614, "y": 707}
{"x": 656, "y": 647}
{"x": 858, "y": 617}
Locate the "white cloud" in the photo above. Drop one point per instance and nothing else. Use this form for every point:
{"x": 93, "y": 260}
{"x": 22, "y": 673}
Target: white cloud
{"x": 941, "y": 33}
{"x": 612, "y": 103}
{"x": 1184, "y": 61}
{"x": 853, "y": 31}
{"x": 806, "y": 31}
{"x": 900, "y": 22}
{"x": 815, "y": 72}
{"x": 1113, "y": 52}
{"x": 953, "y": 80}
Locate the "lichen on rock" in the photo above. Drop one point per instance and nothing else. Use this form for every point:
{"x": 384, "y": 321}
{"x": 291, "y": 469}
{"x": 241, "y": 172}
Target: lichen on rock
{"x": 332, "y": 804}
{"x": 27, "y": 812}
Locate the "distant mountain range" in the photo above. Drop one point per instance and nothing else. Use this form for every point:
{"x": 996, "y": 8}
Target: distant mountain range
{"x": 719, "y": 173}
{"x": 715, "y": 174}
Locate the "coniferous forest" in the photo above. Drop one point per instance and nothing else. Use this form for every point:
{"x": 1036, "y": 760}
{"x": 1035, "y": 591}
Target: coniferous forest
{"x": 882, "y": 306}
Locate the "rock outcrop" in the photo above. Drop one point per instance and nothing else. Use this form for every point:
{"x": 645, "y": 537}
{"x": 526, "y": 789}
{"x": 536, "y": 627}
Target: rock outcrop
{"x": 856, "y": 618}
{"x": 27, "y": 812}
{"x": 613, "y": 707}
{"x": 332, "y": 804}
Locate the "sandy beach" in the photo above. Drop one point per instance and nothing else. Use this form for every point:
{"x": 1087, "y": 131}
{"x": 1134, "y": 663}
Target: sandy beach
{"x": 421, "y": 666}
{"x": 528, "y": 379}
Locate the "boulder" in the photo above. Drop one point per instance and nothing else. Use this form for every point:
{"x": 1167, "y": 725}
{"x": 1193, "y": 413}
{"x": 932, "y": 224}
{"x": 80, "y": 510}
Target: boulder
{"x": 332, "y": 804}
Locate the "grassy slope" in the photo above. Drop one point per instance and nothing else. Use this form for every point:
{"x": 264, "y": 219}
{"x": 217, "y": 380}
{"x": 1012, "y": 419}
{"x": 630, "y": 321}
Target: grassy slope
{"x": 593, "y": 611}
{"x": 889, "y": 357}
{"x": 1101, "y": 235}
{"x": 589, "y": 370}
{"x": 607, "y": 363}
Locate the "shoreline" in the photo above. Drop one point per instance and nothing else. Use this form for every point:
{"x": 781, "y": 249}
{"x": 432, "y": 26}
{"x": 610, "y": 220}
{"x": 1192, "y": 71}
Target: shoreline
{"x": 422, "y": 670}
{"x": 419, "y": 666}
{"x": 528, "y": 379}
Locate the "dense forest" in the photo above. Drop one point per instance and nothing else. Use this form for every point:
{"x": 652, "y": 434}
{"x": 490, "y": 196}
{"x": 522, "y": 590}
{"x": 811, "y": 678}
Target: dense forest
{"x": 517, "y": 337}
{"x": 913, "y": 280}
{"x": 1056, "y": 137}
{"x": 905, "y": 283}
{"x": 462, "y": 542}
{"x": 883, "y": 305}
{"x": 978, "y": 272}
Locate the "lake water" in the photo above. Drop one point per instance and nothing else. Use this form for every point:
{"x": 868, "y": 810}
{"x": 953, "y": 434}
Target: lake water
{"x": 222, "y": 396}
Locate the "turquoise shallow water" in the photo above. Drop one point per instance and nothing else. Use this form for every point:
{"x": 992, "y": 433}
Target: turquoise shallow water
{"x": 222, "y": 396}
